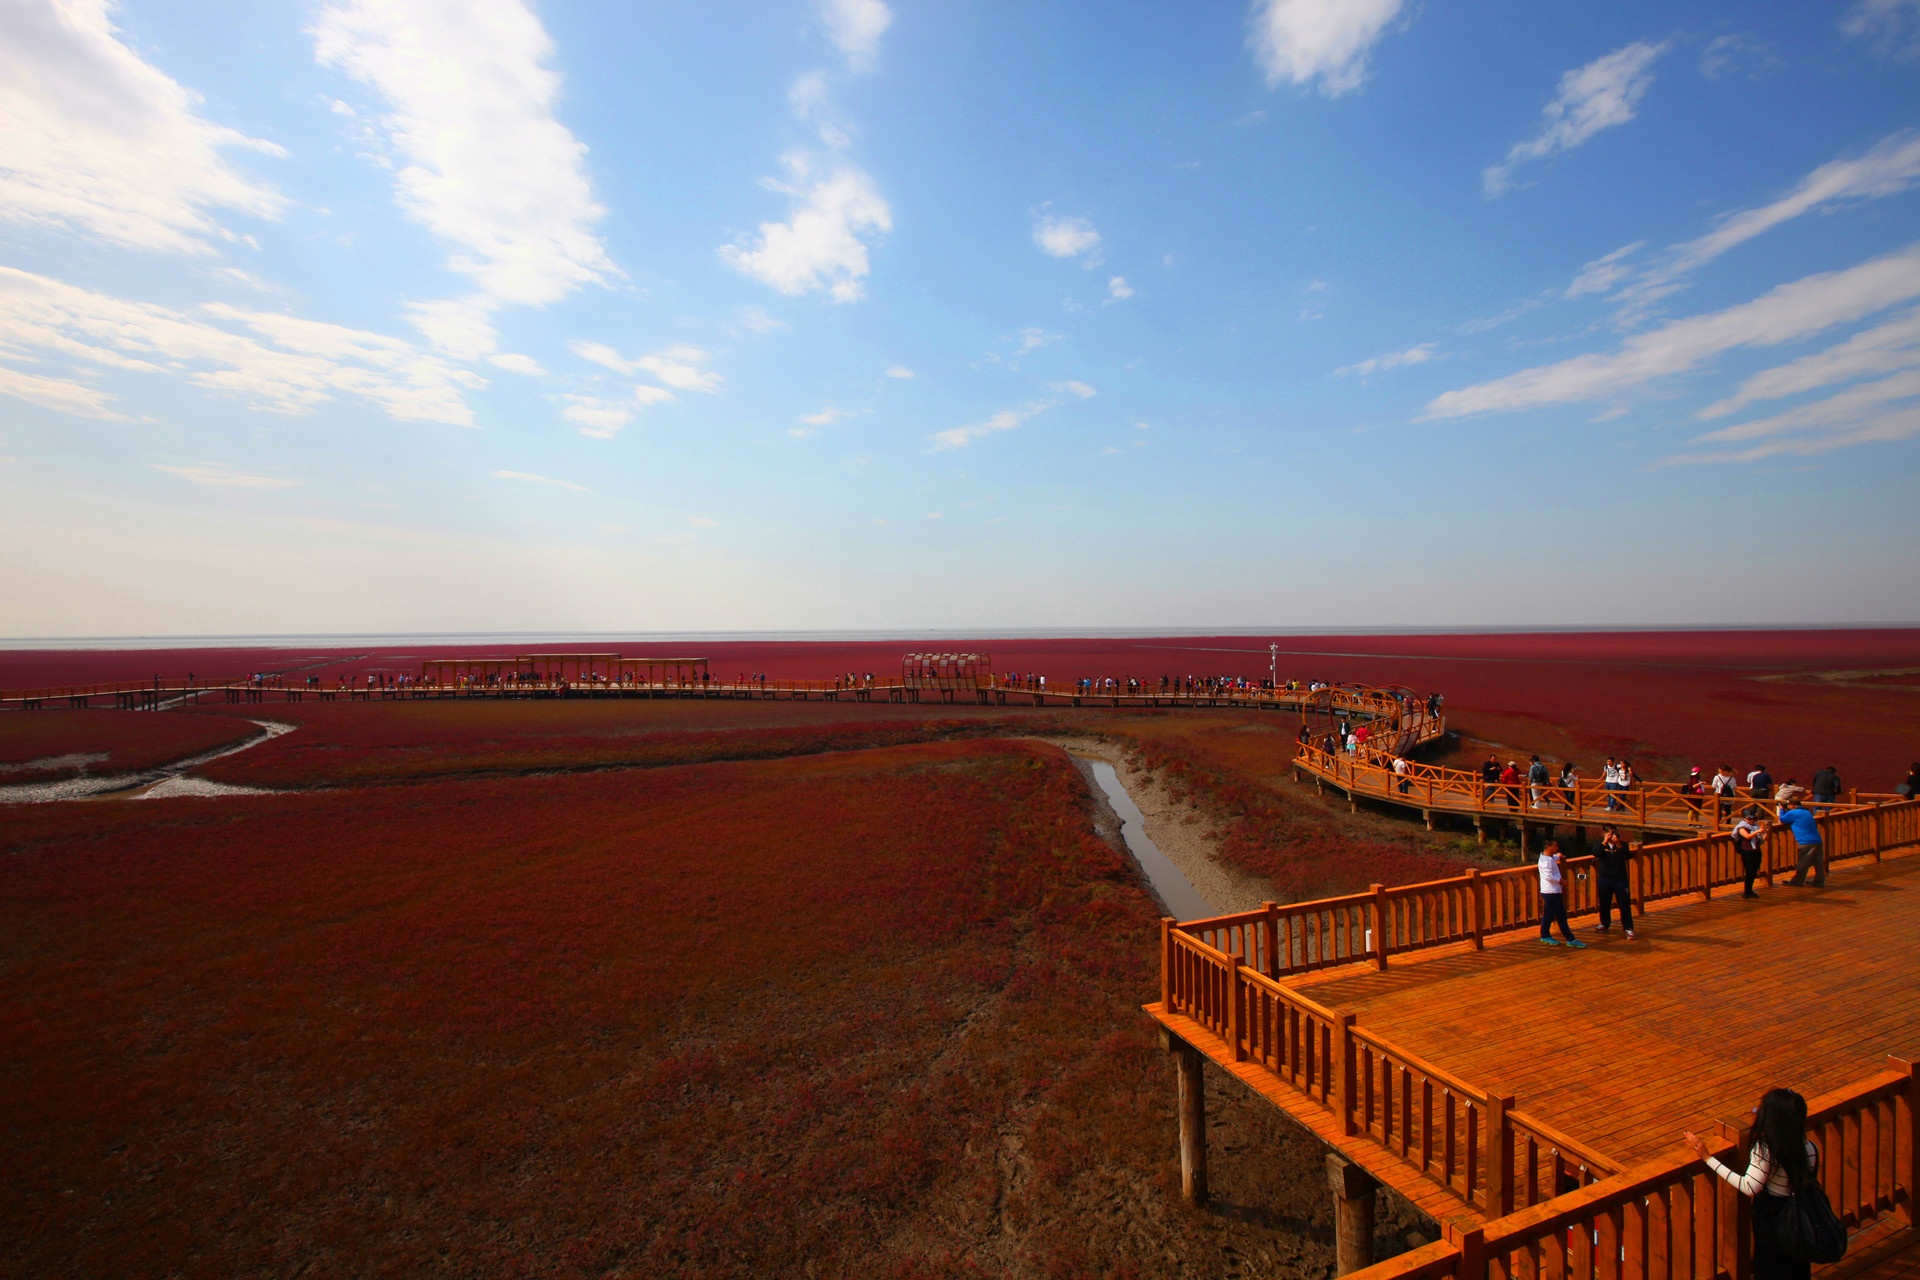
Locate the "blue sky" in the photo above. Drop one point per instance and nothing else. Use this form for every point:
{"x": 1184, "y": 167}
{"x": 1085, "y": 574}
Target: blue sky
{"x": 443, "y": 315}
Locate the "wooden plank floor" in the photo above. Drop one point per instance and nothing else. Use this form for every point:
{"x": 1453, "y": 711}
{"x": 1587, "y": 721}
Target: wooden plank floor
{"x": 1625, "y": 1044}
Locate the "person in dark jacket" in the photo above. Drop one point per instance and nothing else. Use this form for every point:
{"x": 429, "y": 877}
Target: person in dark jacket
{"x": 1911, "y": 787}
{"x": 1826, "y": 785}
{"x": 1489, "y": 779}
{"x": 1612, "y": 880}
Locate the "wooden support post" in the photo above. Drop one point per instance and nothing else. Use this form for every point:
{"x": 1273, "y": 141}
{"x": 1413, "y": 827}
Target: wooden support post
{"x": 1473, "y": 1255}
{"x": 1428, "y": 815}
{"x": 1346, "y": 1062}
{"x": 1479, "y": 828}
{"x": 1497, "y": 1152}
{"x": 1272, "y": 938}
{"x": 1191, "y": 1091}
{"x": 1353, "y": 1189}
{"x": 1477, "y": 907}
{"x": 1380, "y": 939}
{"x": 1703, "y": 870}
{"x": 1736, "y": 1210}
{"x": 1906, "y": 1143}
{"x": 1873, "y": 816}
{"x": 1523, "y": 839}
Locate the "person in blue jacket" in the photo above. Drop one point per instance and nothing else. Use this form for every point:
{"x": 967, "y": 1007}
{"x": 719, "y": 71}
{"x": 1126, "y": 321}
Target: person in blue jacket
{"x": 1798, "y": 819}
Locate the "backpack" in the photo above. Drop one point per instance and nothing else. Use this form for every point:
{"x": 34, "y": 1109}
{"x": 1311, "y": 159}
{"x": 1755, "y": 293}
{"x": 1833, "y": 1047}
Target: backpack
{"x": 1807, "y": 1228}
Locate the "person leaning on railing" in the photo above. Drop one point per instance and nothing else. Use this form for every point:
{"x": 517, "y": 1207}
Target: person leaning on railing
{"x": 1798, "y": 819}
{"x": 1780, "y": 1125}
{"x": 1749, "y": 840}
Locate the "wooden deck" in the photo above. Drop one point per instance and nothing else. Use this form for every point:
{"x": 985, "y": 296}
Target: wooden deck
{"x": 1625, "y": 1044}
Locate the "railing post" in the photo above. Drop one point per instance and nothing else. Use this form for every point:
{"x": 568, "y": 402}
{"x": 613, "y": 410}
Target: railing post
{"x": 1166, "y": 963}
{"x": 1473, "y": 1255}
{"x": 1705, "y": 873}
{"x": 1272, "y": 939}
{"x": 1497, "y": 1151}
{"x": 1873, "y": 817}
{"x": 1736, "y": 1211}
{"x": 1906, "y": 1143}
{"x": 1233, "y": 1009}
{"x": 1379, "y": 926}
{"x": 1477, "y": 904}
{"x": 1345, "y": 1064}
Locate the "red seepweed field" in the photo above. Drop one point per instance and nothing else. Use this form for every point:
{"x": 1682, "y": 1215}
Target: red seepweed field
{"x": 572, "y": 988}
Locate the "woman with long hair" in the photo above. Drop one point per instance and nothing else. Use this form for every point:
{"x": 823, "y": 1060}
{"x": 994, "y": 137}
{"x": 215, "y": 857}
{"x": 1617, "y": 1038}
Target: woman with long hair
{"x": 1781, "y": 1161}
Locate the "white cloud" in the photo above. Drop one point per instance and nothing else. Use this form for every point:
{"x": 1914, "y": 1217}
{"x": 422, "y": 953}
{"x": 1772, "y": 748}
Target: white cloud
{"x": 1795, "y": 310}
{"x": 1005, "y": 420}
{"x": 1391, "y": 360}
{"x": 823, "y": 243}
{"x": 1118, "y": 290}
{"x": 756, "y": 319}
{"x": 534, "y": 479}
{"x": 517, "y": 364}
{"x": 1080, "y": 389}
{"x": 486, "y": 166}
{"x": 1325, "y": 41}
{"x": 1892, "y": 25}
{"x": 674, "y": 366}
{"x": 75, "y": 398}
{"x": 901, "y": 371}
{"x": 1251, "y": 118}
{"x": 1034, "y": 339}
{"x": 800, "y": 433}
{"x": 1729, "y": 54}
{"x": 1143, "y": 426}
{"x": 1600, "y": 95}
{"x": 463, "y": 328}
{"x": 1886, "y": 348}
{"x": 220, "y": 478}
{"x": 602, "y": 418}
{"x": 1859, "y": 415}
{"x": 824, "y": 418}
{"x": 300, "y": 365}
{"x": 1602, "y": 274}
{"x": 1064, "y": 237}
{"x": 855, "y": 27}
{"x": 94, "y": 139}
{"x": 702, "y": 522}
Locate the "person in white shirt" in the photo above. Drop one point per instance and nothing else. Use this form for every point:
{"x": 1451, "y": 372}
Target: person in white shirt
{"x": 1779, "y": 1125}
{"x": 1553, "y": 897}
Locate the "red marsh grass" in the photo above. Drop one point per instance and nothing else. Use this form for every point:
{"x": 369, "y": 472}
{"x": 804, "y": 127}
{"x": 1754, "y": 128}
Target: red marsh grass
{"x": 45, "y": 746}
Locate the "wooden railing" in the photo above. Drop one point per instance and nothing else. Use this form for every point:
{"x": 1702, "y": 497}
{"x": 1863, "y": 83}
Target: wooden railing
{"x": 1674, "y": 1219}
{"x": 1587, "y": 802}
{"x": 1300, "y": 937}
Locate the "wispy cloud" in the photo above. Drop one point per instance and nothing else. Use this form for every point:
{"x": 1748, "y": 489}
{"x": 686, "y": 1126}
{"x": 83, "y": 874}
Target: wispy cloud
{"x": 1080, "y": 389}
{"x": 677, "y": 366}
{"x": 517, "y": 364}
{"x": 219, "y": 477}
{"x": 95, "y": 140}
{"x": 531, "y": 478}
{"x": 1892, "y": 25}
{"x": 485, "y": 165}
{"x": 1118, "y": 290}
{"x": 855, "y": 27}
{"x": 1323, "y": 43}
{"x": 826, "y": 417}
{"x": 1005, "y": 420}
{"x": 602, "y": 418}
{"x": 1734, "y": 54}
{"x": 703, "y": 522}
{"x": 1598, "y": 96}
{"x": 1791, "y": 311}
{"x": 901, "y": 371}
{"x": 267, "y": 360}
{"x": 1886, "y": 348}
{"x": 1365, "y": 369}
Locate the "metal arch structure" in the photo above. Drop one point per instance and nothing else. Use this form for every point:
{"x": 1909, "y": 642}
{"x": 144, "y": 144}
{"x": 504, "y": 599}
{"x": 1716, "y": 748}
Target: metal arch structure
{"x": 947, "y": 671}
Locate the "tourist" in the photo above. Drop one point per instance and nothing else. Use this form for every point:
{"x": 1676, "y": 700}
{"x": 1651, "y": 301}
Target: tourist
{"x": 1400, "y": 768}
{"x": 1691, "y": 790}
{"x": 1750, "y": 841}
{"x": 1510, "y": 784}
{"x": 1781, "y": 1161}
{"x": 1911, "y": 787}
{"x": 1826, "y": 786}
{"x": 1569, "y": 779}
{"x": 1537, "y": 779}
{"x": 1798, "y": 819}
{"x": 1553, "y": 897}
{"x": 1489, "y": 780}
{"x": 1612, "y": 880}
{"x": 1725, "y": 788}
{"x": 1614, "y": 779}
{"x": 1759, "y": 782}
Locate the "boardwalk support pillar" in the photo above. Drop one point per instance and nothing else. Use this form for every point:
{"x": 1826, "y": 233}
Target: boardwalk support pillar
{"x": 1353, "y": 1189}
{"x": 1191, "y": 1092}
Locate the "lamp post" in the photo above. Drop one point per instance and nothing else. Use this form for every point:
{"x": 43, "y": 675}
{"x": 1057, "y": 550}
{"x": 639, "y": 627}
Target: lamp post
{"x": 1273, "y": 665}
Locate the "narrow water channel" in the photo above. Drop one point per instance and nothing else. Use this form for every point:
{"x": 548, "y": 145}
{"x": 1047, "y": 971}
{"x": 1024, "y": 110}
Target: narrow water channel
{"x": 1177, "y": 894}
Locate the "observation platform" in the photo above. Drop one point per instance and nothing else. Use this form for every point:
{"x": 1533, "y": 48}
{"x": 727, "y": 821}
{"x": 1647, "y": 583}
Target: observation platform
{"x": 1530, "y": 1098}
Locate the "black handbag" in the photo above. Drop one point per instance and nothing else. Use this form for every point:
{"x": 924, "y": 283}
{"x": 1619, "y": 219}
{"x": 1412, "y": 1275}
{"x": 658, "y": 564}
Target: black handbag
{"x": 1807, "y": 1228}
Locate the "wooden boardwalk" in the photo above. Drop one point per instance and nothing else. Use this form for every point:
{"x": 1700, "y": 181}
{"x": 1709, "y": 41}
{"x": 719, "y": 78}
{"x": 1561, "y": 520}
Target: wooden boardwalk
{"x": 1625, "y": 1044}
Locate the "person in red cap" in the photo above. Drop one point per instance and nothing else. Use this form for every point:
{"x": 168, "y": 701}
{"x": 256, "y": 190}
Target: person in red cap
{"x": 1693, "y": 789}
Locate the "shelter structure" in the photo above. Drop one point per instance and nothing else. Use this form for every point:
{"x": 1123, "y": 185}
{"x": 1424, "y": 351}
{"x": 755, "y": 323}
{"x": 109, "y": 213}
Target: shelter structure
{"x": 564, "y": 669}
{"x": 949, "y": 671}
